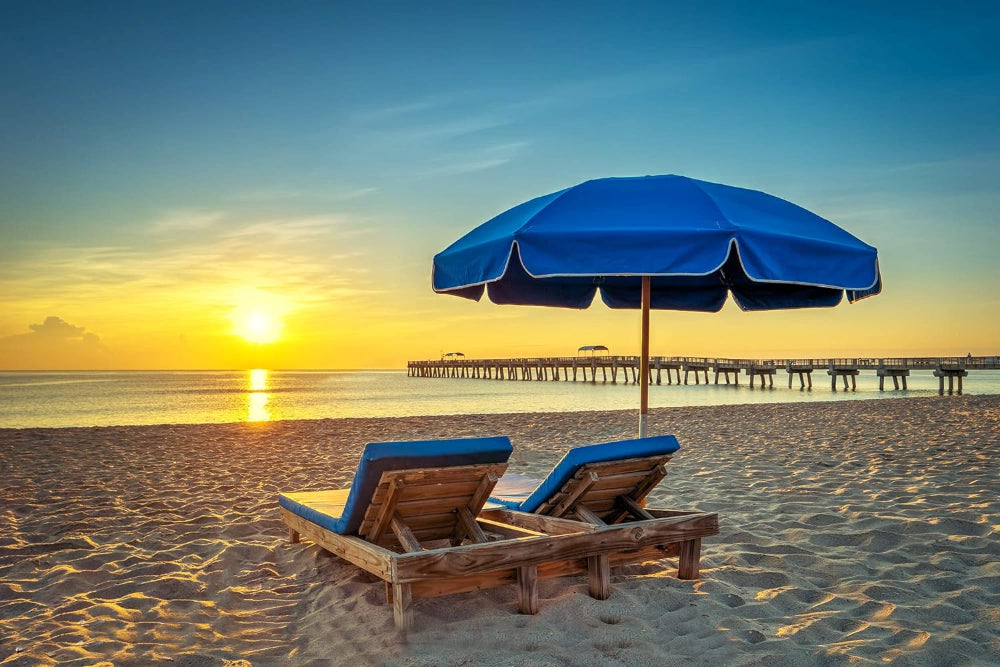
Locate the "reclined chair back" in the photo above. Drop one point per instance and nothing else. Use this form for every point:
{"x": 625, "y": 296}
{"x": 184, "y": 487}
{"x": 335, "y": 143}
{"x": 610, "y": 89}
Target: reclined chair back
{"x": 421, "y": 505}
{"x": 608, "y": 491}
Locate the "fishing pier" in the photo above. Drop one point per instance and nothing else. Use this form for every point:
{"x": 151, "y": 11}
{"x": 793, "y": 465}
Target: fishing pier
{"x": 610, "y": 368}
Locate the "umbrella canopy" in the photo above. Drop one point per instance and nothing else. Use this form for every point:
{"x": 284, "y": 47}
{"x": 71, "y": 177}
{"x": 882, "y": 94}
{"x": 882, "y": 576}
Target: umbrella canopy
{"x": 662, "y": 242}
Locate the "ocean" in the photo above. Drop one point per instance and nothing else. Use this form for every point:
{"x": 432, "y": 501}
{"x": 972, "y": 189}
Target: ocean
{"x": 105, "y": 398}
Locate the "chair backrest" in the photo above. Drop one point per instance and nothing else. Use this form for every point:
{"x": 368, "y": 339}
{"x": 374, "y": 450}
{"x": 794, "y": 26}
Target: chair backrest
{"x": 657, "y": 449}
{"x": 380, "y": 458}
{"x": 601, "y": 486}
{"x": 420, "y": 505}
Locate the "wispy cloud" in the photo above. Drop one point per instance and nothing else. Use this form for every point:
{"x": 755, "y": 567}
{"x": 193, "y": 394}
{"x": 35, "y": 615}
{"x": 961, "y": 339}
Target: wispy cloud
{"x": 357, "y": 193}
{"x": 481, "y": 159}
{"x": 185, "y": 220}
{"x": 267, "y": 194}
{"x": 334, "y": 193}
{"x": 403, "y": 109}
{"x": 309, "y": 259}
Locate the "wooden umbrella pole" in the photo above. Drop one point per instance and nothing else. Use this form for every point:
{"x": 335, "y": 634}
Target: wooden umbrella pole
{"x": 644, "y": 361}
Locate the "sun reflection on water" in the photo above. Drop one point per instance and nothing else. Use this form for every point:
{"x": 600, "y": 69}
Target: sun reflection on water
{"x": 258, "y": 396}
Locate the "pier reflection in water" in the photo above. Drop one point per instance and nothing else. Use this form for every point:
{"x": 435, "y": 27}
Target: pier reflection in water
{"x": 258, "y": 396}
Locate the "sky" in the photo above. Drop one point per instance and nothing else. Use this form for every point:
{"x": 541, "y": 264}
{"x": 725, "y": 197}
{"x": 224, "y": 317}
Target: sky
{"x": 249, "y": 184}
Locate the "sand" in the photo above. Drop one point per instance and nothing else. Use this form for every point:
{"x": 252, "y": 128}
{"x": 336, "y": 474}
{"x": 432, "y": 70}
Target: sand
{"x": 859, "y": 532}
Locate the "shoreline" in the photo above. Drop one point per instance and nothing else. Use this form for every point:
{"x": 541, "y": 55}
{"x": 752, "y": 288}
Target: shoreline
{"x": 816, "y": 404}
{"x": 859, "y": 530}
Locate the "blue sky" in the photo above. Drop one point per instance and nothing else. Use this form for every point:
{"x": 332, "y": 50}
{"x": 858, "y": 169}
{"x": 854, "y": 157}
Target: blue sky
{"x": 331, "y": 149}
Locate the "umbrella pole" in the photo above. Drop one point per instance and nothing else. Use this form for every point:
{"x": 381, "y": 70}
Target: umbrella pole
{"x": 644, "y": 361}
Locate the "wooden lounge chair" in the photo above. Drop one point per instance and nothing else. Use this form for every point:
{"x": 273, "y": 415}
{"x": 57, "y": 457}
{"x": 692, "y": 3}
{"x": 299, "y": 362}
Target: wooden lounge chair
{"x": 404, "y": 495}
{"x": 607, "y": 484}
{"x": 410, "y": 518}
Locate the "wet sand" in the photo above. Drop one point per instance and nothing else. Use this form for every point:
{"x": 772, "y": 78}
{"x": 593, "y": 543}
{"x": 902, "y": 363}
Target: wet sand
{"x": 858, "y": 532}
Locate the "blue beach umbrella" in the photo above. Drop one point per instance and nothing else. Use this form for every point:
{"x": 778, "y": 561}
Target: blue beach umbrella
{"x": 663, "y": 242}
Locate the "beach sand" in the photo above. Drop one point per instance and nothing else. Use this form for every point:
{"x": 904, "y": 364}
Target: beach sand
{"x": 851, "y": 532}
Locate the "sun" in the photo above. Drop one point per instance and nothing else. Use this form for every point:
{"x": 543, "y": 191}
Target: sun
{"x": 258, "y": 316}
{"x": 261, "y": 327}
{"x": 256, "y": 325}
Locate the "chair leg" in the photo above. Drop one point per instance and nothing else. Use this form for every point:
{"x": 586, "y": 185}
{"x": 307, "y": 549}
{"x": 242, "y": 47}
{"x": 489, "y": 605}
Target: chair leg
{"x": 527, "y": 589}
{"x": 599, "y": 576}
{"x": 690, "y": 559}
{"x": 402, "y": 596}
{"x": 293, "y": 536}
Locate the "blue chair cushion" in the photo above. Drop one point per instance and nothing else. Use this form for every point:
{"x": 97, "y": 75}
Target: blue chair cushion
{"x": 513, "y": 490}
{"x": 379, "y": 457}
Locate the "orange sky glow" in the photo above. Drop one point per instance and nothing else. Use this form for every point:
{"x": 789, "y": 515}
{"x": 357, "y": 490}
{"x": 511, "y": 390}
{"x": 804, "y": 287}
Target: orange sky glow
{"x": 194, "y": 197}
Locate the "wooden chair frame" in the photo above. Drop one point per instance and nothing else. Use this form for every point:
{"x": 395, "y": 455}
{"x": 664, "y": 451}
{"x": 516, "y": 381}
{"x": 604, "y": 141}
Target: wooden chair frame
{"x": 424, "y": 535}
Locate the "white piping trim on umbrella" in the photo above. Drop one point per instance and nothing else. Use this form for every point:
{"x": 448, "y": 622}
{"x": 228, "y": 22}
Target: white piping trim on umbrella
{"x": 733, "y": 243}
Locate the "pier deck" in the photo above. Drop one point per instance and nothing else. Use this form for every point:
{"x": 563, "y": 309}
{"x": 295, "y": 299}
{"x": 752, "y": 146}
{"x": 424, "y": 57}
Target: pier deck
{"x": 610, "y": 368}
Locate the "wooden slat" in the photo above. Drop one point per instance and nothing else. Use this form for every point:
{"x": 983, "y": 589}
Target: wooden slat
{"x": 385, "y": 511}
{"x": 663, "y": 513}
{"x": 469, "y": 526}
{"x": 436, "y": 532}
{"x": 602, "y": 507}
{"x": 506, "y": 529}
{"x": 609, "y": 493}
{"x": 548, "y": 525}
{"x": 625, "y": 465}
{"x": 424, "y": 528}
{"x": 608, "y": 488}
{"x": 445, "y": 479}
{"x": 367, "y": 556}
{"x": 651, "y": 482}
{"x": 637, "y": 510}
{"x": 465, "y": 486}
{"x": 435, "y": 587}
{"x": 405, "y": 535}
{"x": 445, "y": 474}
{"x": 484, "y": 490}
{"x": 412, "y": 506}
{"x": 428, "y": 521}
{"x": 477, "y": 558}
{"x": 585, "y": 514}
{"x": 578, "y": 488}
{"x": 623, "y": 480}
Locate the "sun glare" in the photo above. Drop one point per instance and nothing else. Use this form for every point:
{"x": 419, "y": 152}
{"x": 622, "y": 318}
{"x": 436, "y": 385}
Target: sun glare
{"x": 257, "y": 325}
{"x": 257, "y": 315}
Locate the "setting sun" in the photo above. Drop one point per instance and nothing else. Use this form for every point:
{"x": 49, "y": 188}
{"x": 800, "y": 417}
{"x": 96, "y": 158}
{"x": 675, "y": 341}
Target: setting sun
{"x": 259, "y": 327}
{"x": 258, "y": 315}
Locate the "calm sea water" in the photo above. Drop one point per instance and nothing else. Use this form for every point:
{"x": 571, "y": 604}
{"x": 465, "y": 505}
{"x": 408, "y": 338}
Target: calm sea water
{"x": 51, "y": 399}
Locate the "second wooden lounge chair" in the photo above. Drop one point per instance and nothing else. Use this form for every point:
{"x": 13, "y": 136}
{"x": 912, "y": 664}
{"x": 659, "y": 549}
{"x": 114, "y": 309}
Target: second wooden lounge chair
{"x": 607, "y": 484}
